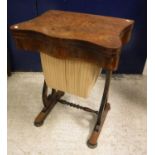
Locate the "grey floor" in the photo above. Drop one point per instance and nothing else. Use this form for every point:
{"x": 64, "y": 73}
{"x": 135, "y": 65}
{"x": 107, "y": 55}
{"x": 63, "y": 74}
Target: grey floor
{"x": 66, "y": 129}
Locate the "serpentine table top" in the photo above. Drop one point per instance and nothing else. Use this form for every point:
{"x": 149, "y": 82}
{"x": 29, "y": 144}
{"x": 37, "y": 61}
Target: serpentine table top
{"x": 63, "y": 34}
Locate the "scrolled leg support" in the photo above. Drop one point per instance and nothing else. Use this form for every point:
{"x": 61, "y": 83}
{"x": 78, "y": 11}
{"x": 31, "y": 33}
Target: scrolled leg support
{"x": 49, "y": 102}
{"x": 104, "y": 108}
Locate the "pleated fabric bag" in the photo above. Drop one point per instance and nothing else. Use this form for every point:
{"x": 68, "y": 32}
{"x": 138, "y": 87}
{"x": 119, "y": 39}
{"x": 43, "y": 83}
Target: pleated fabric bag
{"x": 69, "y": 75}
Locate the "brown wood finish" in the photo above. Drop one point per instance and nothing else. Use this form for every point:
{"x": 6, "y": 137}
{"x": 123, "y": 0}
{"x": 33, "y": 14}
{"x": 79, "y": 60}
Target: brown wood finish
{"x": 92, "y": 141}
{"x": 104, "y": 108}
{"x": 93, "y": 38}
{"x": 96, "y": 39}
{"x": 49, "y": 101}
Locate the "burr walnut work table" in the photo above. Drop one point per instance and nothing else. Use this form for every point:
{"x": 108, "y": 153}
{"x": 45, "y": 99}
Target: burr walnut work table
{"x": 74, "y": 47}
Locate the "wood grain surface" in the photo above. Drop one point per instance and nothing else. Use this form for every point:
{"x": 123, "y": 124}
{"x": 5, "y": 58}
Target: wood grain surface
{"x": 63, "y": 34}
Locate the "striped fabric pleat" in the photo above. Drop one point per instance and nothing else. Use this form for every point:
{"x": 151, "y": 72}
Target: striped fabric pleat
{"x": 70, "y": 75}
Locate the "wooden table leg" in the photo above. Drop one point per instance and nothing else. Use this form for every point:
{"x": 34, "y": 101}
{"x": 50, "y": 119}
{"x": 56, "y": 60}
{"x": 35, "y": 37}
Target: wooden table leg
{"x": 49, "y": 103}
{"x": 104, "y": 108}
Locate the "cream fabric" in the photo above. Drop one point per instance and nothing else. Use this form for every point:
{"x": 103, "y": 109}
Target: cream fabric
{"x": 73, "y": 76}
